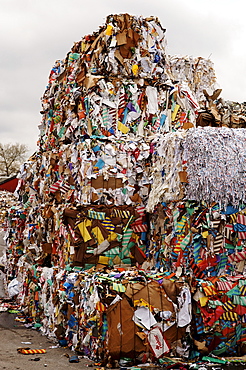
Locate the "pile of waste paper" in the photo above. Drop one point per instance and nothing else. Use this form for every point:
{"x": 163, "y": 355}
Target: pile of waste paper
{"x": 129, "y": 245}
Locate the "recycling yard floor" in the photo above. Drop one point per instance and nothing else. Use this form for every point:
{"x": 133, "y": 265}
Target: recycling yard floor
{"x": 14, "y": 335}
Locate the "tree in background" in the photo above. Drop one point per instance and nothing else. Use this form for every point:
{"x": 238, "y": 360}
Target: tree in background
{"x": 11, "y": 157}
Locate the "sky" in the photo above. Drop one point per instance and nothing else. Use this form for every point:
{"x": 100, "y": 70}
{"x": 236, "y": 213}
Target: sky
{"x": 35, "y": 33}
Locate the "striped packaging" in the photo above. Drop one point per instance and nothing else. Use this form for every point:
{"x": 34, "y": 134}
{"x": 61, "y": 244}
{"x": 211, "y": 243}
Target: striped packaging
{"x": 197, "y": 272}
{"x": 241, "y": 219}
{"x": 218, "y": 243}
{"x": 229, "y": 316}
{"x": 228, "y": 306}
{"x": 138, "y": 221}
{"x": 140, "y": 210}
{"x": 140, "y": 228}
{"x": 156, "y": 125}
{"x": 63, "y": 230}
{"x": 72, "y": 232}
{"x": 113, "y": 114}
{"x": 96, "y": 215}
{"x": 209, "y": 290}
{"x": 54, "y": 187}
{"x": 122, "y": 100}
{"x": 125, "y": 241}
{"x": 215, "y": 224}
{"x": 107, "y": 224}
{"x": 228, "y": 231}
{"x": 121, "y": 213}
{"x": 64, "y": 188}
{"x": 242, "y": 235}
{"x": 105, "y": 116}
{"x": 237, "y": 257}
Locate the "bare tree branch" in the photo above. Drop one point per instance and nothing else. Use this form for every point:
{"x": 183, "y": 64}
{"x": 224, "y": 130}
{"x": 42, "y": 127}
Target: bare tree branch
{"x": 11, "y": 157}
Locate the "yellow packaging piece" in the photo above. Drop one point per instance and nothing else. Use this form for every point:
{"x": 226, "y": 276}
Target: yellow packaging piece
{"x": 83, "y": 46}
{"x": 109, "y": 30}
{"x": 175, "y": 111}
{"x": 205, "y": 234}
{"x": 203, "y": 301}
{"x": 103, "y": 260}
{"x": 98, "y": 234}
{"x": 142, "y": 302}
{"x": 135, "y": 69}
{"x": 135, "y": 237}
{"x": 49, "y": 170}
{"x": 83, "y": 230}
{"x": 121, "y": 127}
{"x": 112, "y": 236}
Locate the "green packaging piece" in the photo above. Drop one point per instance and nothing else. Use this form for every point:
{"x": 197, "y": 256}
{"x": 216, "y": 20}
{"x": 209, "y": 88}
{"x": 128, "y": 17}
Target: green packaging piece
{"x": 79, "y": 268}
{"x": 130, "y": 245}
{"x": 213, "y": 359}
{"x": 88, "y": 266}
{"x": 37, "y": 325}
{"x": 127, "y": 261}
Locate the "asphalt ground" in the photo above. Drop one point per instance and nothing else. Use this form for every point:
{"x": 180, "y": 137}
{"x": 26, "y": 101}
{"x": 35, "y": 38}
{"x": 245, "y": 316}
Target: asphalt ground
{"x": 14, "y": 335}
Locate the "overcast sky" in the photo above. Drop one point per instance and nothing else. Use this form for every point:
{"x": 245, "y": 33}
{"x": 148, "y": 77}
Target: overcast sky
{"x": 35, "y": 33}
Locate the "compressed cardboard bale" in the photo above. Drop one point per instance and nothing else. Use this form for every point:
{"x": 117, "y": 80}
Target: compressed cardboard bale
{"x": 123, "y": 339}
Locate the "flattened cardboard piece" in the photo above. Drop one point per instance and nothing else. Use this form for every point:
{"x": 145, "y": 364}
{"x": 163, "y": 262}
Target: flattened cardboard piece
{"x": 76, "y": 298}
{"x": 125, "y": 50}
{"x": 153, "y": 294}
{"x": 183, "y": 176}
{"x": 172, "y": 289}
{"x": 47, "y": 212}
{"x": 70, "y": 311}
{"x": 81, "y": 76}
{"x": 119, "y": 57}
{"x": 201, "y": 346}
{"x": 124, "y": 21}
{"x": 91, "y": 80}
{"x": 174, "y": 333}
{"x": 205, "y": 119}
{"x": 187, "y": 125}
{"x": 61, "y": 76}
{"x": 94, "y": 44}
{"x": 121, "y": 38}
{"x": 79, "y": 255}
{"x": 136, "y": 198}
{"x": 71, "y": 213}
{"x": 123, "y": 340}
{"x": 138, "y": 254}
{"x": 94, "y": 197}
{"x": 111, "y": 183}
{"x": 133, "y": 288}
{"x": 47, "y": 247}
